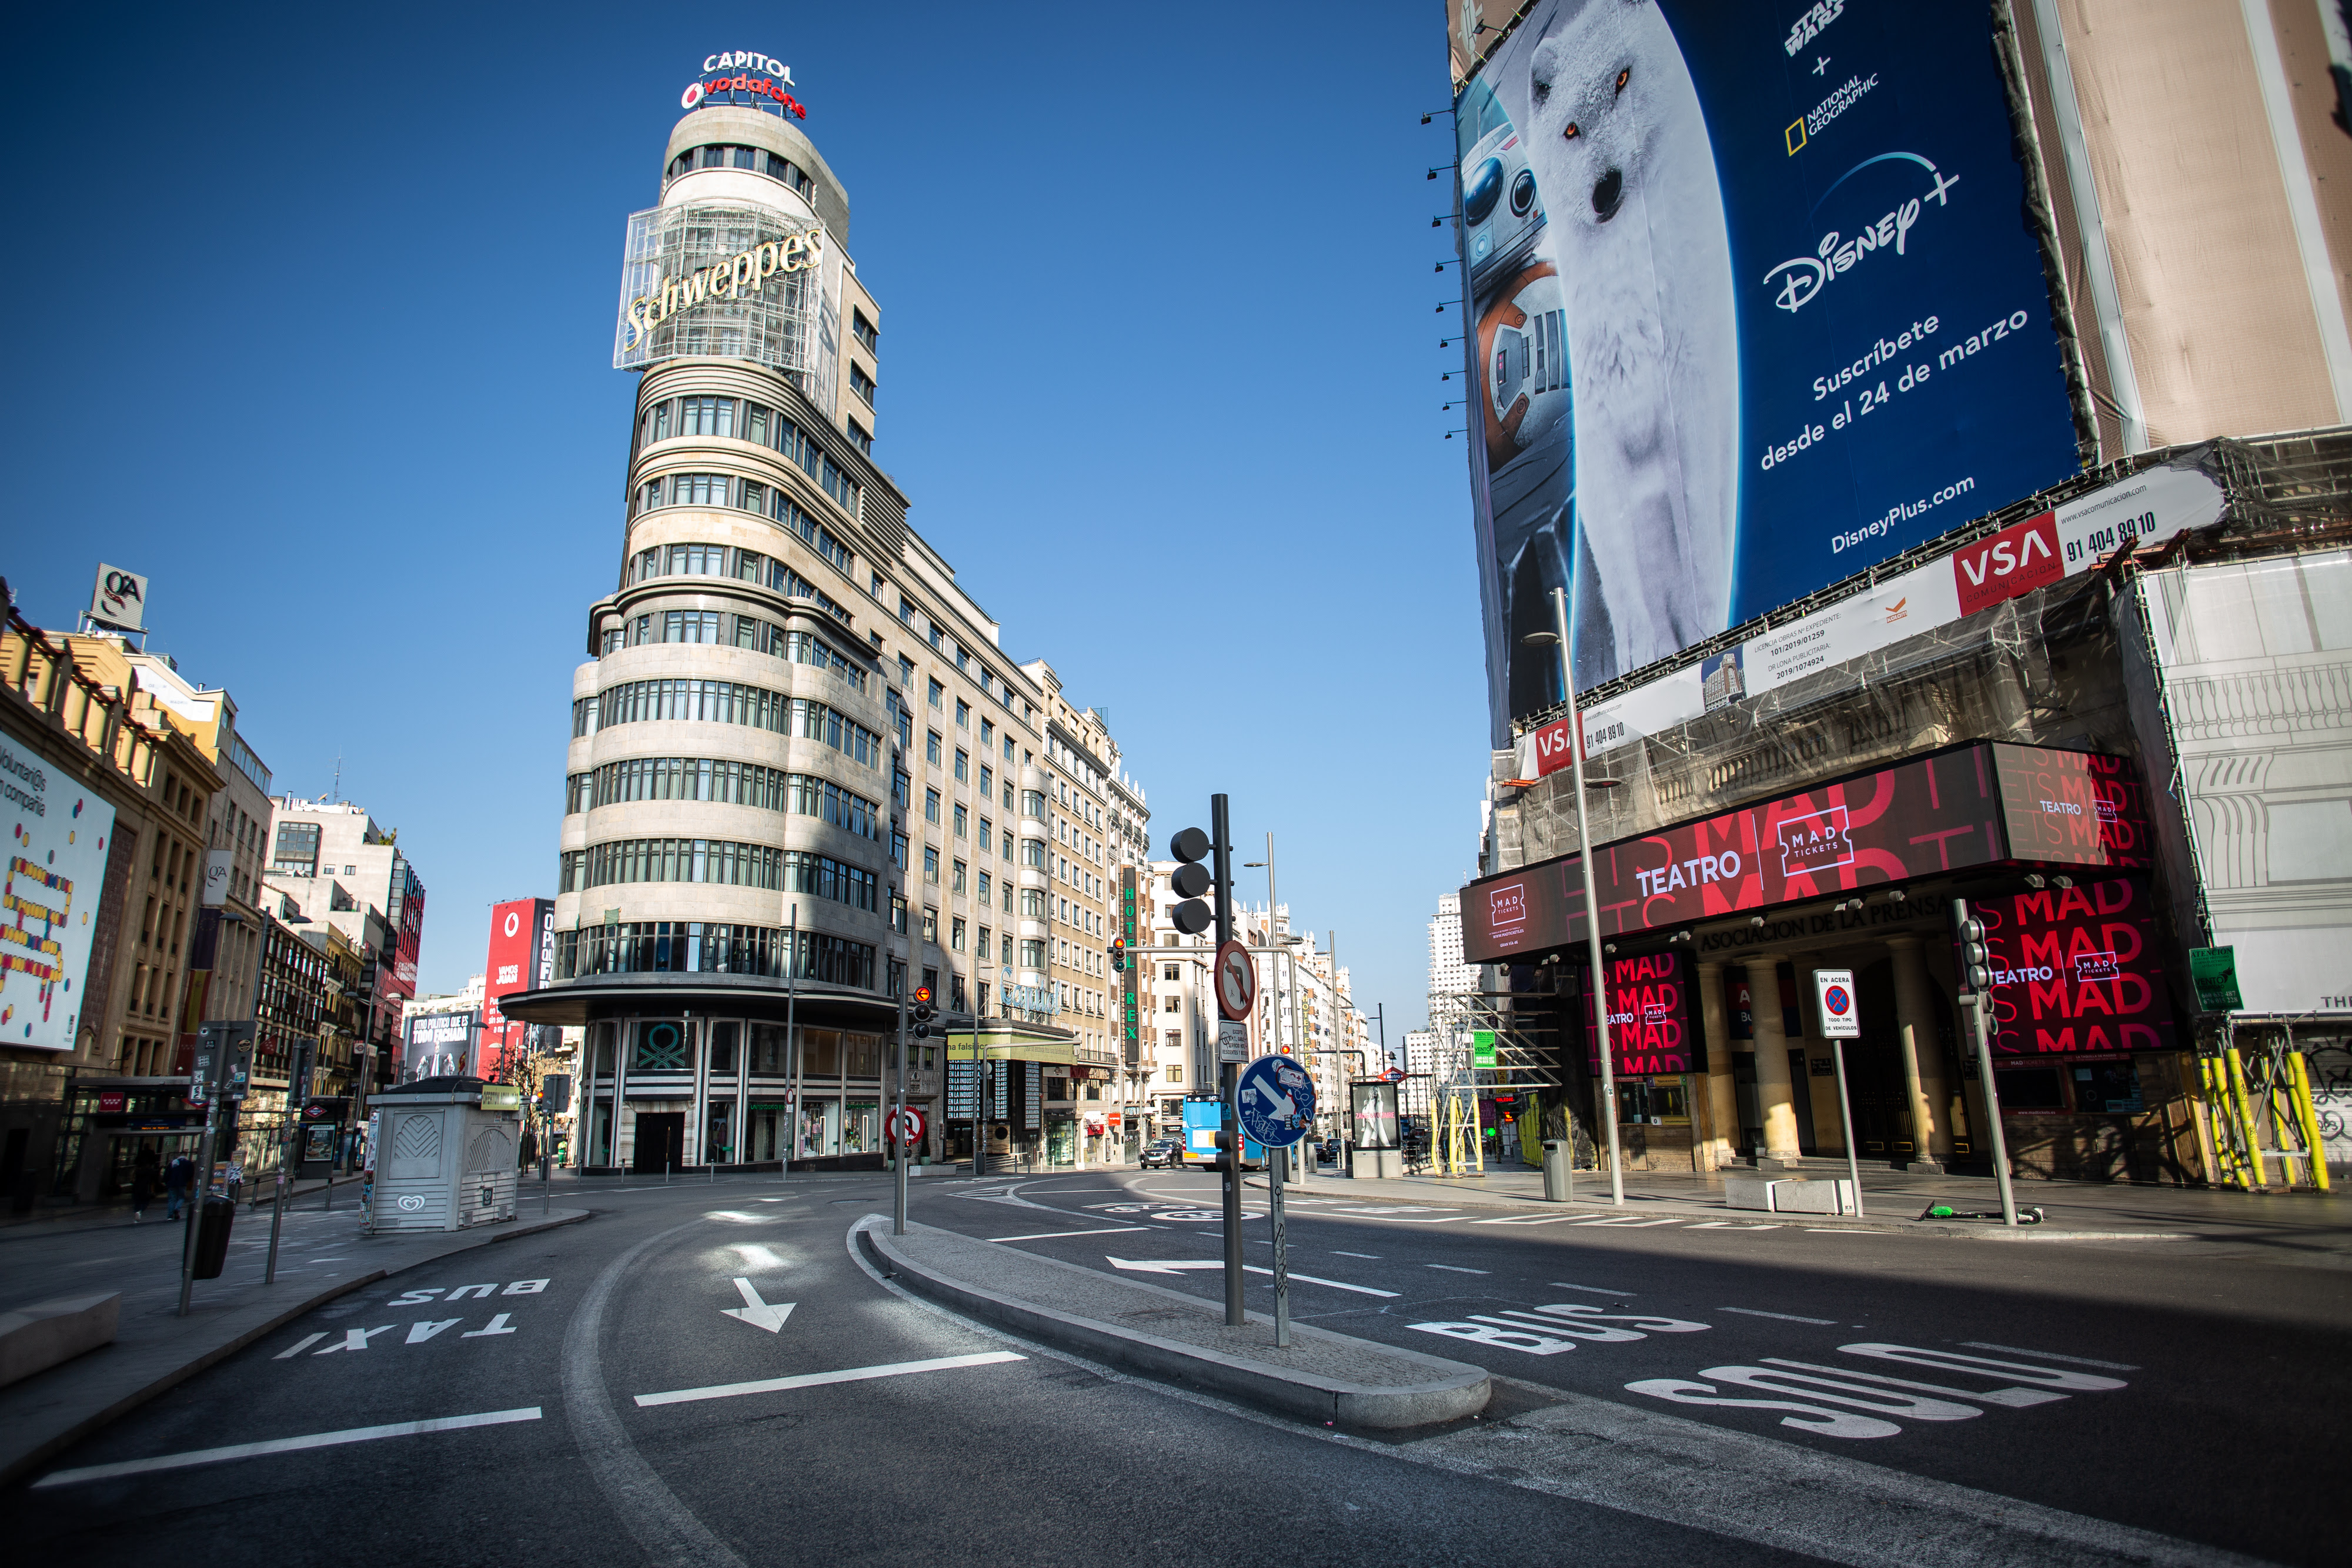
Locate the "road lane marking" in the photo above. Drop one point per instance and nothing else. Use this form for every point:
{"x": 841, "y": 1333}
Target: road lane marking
{"x": 1630, "y": 1221}
{"x": 1596, "y": 1290}
{"x": 1730, "y": 1224}
{"x": 425, "y": 1328}
{"x": 1182, "y": 1265}
{"x": 300, "y": 1345}
{"x": 1455, "y": 1269}
{"x": 282, "y": 1446}
{"x": 758, "y": 1258}
{"x": 1373, "y": 1255}
{"x": 356, "y": 1339}
{"x": 816, "y": 1379}
{"x": 1528, "y": 1219}
{"x": 2051, "y": 1355}
{"x": 1056, "y": 1234}
{"x": 1783, "y": 1317}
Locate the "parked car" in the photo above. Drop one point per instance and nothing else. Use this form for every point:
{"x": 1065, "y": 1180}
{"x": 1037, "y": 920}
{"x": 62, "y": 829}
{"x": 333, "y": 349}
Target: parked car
{"x": 1161, "y": 1154}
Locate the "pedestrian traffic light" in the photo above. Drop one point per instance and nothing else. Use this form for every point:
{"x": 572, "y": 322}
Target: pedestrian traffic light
{"x": 1975, "y": 967}
{"x": 924, "y": 1012}
{"x": 1117, "y": 955}
{"x": 1190, "y": 880}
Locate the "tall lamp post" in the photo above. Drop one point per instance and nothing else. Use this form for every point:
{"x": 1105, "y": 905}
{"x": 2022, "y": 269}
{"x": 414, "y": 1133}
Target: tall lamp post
{"x": 1591, "y": 897}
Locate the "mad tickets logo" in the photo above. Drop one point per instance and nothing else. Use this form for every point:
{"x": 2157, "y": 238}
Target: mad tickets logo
{"x": 1817, "y": 842}
{"x": 1507, "y": 910}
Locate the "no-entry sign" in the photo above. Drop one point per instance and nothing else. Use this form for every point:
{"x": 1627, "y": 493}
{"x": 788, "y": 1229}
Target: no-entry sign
{"x": 1236, "y": 979}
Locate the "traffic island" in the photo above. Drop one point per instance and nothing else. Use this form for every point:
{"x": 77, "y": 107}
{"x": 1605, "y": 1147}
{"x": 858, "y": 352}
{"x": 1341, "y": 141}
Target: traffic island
{"x": 1176, "y": 1338}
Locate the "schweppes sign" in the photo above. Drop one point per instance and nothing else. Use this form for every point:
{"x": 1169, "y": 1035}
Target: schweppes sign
{"x": 739, "y": 276}
{"x": 731, "y": 280}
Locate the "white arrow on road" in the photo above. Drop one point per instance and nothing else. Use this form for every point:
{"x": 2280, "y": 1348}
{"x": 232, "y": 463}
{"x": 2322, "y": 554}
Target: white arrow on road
{"x": 757, "y": 1313}
{"x": 1170, "y": 1266}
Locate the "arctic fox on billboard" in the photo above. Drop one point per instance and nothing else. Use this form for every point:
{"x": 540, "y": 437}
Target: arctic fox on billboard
{"x": 1752, "y": 305}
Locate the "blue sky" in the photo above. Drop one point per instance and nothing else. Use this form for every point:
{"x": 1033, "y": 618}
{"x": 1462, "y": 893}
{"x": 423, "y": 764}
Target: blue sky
{"x": 313, "y": 314}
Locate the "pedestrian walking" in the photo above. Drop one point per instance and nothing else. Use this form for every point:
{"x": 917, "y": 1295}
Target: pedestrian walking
{"x": 144, "y": 1168}
{"x": 178, "y": 1177}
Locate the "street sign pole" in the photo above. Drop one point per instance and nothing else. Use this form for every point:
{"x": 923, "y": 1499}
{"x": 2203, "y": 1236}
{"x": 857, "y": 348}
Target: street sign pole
{"x": 898, "y": 1126}
{"x": 1592, "y": 904}
{"x": 1228, "y": 1074}
{"x": 214, "y": 1074}
{"x": 1840, "y": 1014}
{"x": 1274, "y": 1103}
{"x": 1279, "y": 1172}
{"x": 792, "y": 1049}
{"x": 296, "y": 1092}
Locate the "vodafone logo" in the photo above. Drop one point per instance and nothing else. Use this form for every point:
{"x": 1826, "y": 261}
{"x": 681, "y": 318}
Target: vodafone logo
{"x": 513, "y": 922}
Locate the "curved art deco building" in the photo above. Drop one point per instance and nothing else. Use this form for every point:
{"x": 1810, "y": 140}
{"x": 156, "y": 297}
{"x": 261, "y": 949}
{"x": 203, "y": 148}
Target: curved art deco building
{"x": 796, "y": 743}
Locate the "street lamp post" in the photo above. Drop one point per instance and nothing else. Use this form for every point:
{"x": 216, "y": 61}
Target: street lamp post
{"x": 1591, "y": 896}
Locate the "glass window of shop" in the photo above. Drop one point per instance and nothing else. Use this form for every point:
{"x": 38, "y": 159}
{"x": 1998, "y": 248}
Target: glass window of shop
{"x": 718, "y": 1132}
{"x": 1653, "y": 1101}
{"x": 662, "y": 1045}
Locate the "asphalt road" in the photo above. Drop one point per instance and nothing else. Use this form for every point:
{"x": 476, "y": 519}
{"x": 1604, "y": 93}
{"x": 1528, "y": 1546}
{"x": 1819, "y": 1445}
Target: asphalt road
{"x": 705, "y": 1374}
{"x": 2200, "y": 1393}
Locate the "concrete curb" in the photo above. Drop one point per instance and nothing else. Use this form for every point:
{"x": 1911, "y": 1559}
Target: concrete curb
{"x": 27, "y": 1447}
{"x": 1456, "y": 1389}
{"x": 1674, "y": 1208}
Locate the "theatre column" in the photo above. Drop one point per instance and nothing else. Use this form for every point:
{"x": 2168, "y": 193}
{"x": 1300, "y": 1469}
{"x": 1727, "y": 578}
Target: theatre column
{"x": 1722, "y": 1105}
{"x": 1915, "y": 1020}
{"x": 1774, "y": 1090}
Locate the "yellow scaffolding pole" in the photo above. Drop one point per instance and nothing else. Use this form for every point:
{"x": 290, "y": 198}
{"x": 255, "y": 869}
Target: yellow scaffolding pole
{"x": 2307, "y": 1114}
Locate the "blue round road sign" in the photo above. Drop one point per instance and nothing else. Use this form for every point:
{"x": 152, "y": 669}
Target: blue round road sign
{"x": 1276, "y": 1101}
{"x": 1837, "y": 1001}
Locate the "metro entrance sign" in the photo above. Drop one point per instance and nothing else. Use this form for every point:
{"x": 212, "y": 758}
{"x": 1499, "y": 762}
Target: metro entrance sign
{"x": 1236, "y": 980}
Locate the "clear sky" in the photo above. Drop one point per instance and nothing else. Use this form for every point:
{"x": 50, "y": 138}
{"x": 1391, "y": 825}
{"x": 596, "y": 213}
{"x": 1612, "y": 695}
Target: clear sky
{"x": 312, "y": 317}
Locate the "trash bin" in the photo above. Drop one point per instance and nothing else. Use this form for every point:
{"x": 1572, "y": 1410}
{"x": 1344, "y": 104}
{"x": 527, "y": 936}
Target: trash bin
{"x": 218, "y": 1213}
{"x": 1559, "y": 1170}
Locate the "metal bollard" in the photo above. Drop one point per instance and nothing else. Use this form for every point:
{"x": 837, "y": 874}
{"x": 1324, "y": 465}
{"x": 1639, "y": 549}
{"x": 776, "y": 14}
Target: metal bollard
{"x": 1559, "y": 1171}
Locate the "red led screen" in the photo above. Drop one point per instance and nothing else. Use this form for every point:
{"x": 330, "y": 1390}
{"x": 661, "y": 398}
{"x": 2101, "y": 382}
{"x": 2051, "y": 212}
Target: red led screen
{"x": 2077, "y": 969}
{"x": 1985, "y": 803}
{"x": 1653, "y": 1026}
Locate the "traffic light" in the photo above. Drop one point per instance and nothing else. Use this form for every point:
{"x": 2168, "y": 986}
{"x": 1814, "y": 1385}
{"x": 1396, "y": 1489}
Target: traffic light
{"x": 1190, "y": 880}
{"x": 1976, "y": 966}
{"x": 1119, "y": 955}
{"x": 924, "y": 1012}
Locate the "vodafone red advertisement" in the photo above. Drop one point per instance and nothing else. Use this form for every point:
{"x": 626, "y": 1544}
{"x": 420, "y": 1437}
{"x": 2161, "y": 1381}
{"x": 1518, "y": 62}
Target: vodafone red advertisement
{"x": 2075, "y": 969}
{"x": 521, "y": 958}
{"x": 1651, "y": 1020}
{"x": 1984, "y": 803}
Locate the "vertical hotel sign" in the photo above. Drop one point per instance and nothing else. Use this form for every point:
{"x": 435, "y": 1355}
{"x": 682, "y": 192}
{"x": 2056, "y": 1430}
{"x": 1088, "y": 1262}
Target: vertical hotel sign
{"x": 55, "y": 864}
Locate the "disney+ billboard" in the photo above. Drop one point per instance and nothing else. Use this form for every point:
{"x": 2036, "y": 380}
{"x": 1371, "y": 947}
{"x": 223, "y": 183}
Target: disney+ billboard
{"x": 1752, "y": 305}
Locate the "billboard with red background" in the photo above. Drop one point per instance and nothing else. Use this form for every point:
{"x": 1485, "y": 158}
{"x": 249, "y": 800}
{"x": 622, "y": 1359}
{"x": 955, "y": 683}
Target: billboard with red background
{"x": 517, "y": 929}
{"x": 1652, "y": 1027}
{"x": 2077, "y": 969}
{"x": 1983, "y": 804}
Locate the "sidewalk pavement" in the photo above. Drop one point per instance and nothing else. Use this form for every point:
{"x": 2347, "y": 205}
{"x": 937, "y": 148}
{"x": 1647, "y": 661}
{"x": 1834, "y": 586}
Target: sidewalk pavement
{"x": 69, "y": 1217}
{"x": 321, "y": 1255}
{"x": 2295, "y": 1226}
